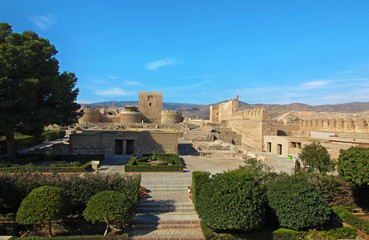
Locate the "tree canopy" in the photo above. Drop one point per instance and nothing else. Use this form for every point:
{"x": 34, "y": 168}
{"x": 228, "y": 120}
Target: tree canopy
{"x": 43, "y": 204}
{"x": 33, "y": 93}
{"x": 109, "y": 207}
{"x": 317, "y": 157}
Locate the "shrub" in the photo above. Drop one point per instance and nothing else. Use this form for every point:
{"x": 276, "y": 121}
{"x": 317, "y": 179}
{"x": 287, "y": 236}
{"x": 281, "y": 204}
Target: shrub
{"x": 109, "y": 207}
{"x": 79, "y": 190}
{"x": 298, "y": 204}
{"x": 317, "y": 157}
{"x": 336, "y": 191}
{"x": 261, "y": 172}
{"x": 198, "y": 180}
{"x": 345, "y": 215}
{"x": 343, "y": 233}
{"x": 353, "y": 165}
{"x": 231, "y": 200}
{"x": 282, "y": 234}
{"x": 171, "y": 162}
{"x": 26, "y": 141}
{"x": 43, "y": 204}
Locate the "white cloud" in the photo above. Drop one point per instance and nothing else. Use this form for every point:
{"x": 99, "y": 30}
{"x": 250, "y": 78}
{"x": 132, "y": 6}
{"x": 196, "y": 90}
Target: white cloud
{"x": 114, "y": 92}
{"x": 161, "y": 63}
{"x": 132, "y": 83}
{"x": 315, "y": 84}
{"x": 43, "y": 22}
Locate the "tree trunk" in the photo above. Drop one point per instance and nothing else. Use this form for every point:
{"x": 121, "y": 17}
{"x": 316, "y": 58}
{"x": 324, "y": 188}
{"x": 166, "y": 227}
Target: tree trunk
{"x": 106, "y": 229}
{"x": 9, "y": 134}
{"x": 50, "y": 234}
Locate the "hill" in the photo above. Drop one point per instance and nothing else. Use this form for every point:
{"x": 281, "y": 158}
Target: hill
{"x": 203, "y": 111}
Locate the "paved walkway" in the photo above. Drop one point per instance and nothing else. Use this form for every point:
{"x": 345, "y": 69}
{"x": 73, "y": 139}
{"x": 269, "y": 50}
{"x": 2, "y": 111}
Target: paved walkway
{"x": 166, "y": 212}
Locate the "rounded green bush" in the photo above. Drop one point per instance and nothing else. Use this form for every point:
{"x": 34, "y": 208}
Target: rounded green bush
{"x": 43, "y": 204}
{"x": 109, "y": 207}
{"x": 232, "y": 200}
{"x": 298, "y": 204}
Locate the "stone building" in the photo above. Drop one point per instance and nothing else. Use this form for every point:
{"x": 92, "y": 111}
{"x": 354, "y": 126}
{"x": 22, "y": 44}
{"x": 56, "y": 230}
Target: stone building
{"x": 150, "y": 104}
{"x": 126, "y": 142}
{"x": 251, "y": 124}
{"x": 149, "y": 109}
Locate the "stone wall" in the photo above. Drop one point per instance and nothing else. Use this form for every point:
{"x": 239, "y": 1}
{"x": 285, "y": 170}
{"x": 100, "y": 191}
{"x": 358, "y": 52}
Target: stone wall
{"x": 171, "y": 117}
{"x": 252, "y": 114}
{"x": 150, "y": 104}
{"x": 104, "y": 142}
{"x": 130, "y": 117}
{"x": 347, "y": 125}
{"x": 253, "y": 131}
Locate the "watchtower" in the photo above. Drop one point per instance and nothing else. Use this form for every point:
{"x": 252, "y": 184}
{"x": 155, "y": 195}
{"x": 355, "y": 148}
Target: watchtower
{"x": 150, "y": 104}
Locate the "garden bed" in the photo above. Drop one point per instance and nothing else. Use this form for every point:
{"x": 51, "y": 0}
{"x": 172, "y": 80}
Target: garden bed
{"x": 155, "y": 163}
{"x": 46, "y": 163}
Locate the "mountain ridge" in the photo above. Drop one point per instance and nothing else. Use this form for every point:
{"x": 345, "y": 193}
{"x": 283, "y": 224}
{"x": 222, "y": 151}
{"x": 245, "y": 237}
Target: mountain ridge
{"x": 203, "y": 111}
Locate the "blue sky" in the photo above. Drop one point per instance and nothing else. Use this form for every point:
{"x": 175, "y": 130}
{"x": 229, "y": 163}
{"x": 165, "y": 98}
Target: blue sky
{"x": 313, "y": 52}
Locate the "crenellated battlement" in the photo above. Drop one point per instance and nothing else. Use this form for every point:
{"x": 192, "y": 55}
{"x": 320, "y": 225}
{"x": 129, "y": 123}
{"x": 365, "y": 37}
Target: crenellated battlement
{"x": 171, "y": 112}
{"x": 359, "y": 125}
{"x": 150, "y": 93}
{"x": 252, "y": 114}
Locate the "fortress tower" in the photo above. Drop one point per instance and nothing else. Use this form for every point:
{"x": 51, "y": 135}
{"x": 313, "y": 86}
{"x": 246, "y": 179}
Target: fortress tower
{"x": 150, "y": 104}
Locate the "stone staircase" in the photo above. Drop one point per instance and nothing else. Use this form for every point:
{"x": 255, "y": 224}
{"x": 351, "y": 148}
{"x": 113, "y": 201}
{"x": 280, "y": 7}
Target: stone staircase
{"x": 166, "y": 212}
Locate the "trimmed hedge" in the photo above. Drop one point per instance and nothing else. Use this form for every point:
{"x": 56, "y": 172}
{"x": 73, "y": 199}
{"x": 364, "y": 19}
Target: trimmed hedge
{"x": 29, "y": 161}
{"x": 79, "y": 190}
{"x": 198, "y": 180}
{"x": 298, "y": 204}
{"x": 283, "y": 234}
{"x": 141, "y": 164}
{"x": 232, "y": 201}
{"x": 123, "y": 236}
{"x": 27, "y": 141}
{"x": 345, "y": 215}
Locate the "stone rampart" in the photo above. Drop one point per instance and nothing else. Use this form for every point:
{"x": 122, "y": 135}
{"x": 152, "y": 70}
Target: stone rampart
{"x": 130, "y": 117}
{"x": 171, "y": 117}
{"x": 252, "y": 114}
{"x": 90, "y": 115}
{"x": 348, "y": 125}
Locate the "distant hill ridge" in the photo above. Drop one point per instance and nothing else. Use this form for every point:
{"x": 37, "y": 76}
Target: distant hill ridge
{"x": 198, "y": 110}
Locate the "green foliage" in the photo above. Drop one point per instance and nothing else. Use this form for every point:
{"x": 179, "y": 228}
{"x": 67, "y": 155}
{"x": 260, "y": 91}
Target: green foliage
{"x": 317, "y": 157}
{"x": 109, "y": 207}
{"x": 14, "y": 188}
{"x": 231, "y": 200}
{"x": 345, "y": 215}
{"x": 43, "y": 204}
{"x": 283, "y": 234}
{"x": 198, "y": 180}
{"x": 170, "y": 162}
{"x": 33, "y": 163}
{"x": 336, "y": 191}
{"x": 353, "y": 165}
{"x": 261, "y": 172}
{"x": 298, "y": 204}
{"x": 342, "y": 233}
{"x": 26, "y": 141}
{"x": 33, "y": 93}
{"x": 94, "y": 237}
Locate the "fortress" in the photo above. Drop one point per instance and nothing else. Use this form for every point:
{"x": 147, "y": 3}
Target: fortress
{"x": 262, "y": 133}
{"x": 250, "y": 129}
{"x": 149, "y": 110}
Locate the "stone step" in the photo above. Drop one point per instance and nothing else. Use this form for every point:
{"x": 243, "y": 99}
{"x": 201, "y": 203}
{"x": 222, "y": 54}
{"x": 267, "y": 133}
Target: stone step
{"x": 165, "y": 209}
{"x": 167, "y": 217}
{"x": 176, "y": 225}
{"x": 166, "y": 187}
{"x": 166, "y": 234}
{"x": 164, "y": 204}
